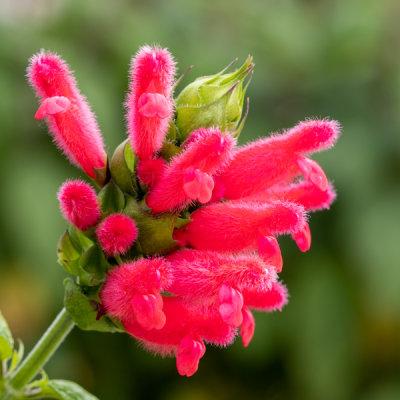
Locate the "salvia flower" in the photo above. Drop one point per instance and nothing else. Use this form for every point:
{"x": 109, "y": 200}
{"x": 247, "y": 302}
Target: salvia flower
{"x": 71, "y": 122}
{"x": 180, "y": 246}
{"x": 149, "y": 103}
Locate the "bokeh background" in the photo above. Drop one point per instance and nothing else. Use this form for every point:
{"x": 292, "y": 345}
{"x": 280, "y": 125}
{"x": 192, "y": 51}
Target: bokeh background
{"x": 339, "y": 337}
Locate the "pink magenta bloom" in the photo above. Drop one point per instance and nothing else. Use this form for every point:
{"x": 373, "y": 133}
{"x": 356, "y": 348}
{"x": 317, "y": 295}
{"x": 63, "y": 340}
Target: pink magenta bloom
{"x": 189, "y": 175}
{"x": 79, "y": 204}
{"x": 71, "y": 122}
{"x": 279, "y": 159}
{"x": 184, "y": 325}
{"x": 311, "y": 197}
{"x": 133, "y": 291}
{"x": 199, "y": 275}
{"x": 149, "y": 103}
{"x": 236, "y": 226}
{"x": 116, "y": 234}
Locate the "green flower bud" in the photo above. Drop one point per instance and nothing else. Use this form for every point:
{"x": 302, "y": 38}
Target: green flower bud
{"x": 215, "y": 100}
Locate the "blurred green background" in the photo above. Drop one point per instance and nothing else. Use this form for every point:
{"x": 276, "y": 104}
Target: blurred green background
{"x": 339, "y": 337}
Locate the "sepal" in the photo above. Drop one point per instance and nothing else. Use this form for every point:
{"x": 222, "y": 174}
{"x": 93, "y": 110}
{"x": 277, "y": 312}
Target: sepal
{"x": 84, "y": 309}
{"x": 122, "y": 167}
{"x": 79, "y": 255}
{"x": 111, "y": 198}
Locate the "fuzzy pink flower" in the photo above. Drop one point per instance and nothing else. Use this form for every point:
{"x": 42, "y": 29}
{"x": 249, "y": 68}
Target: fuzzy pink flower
{"x": 149, "y": 103}
{"x": 166, "y": 326}
{"x": 278, "y": 160}
{"x": 133, "y": 291}
{"x": 311, "y": 197}
{"x": 189, "y": 175}
{"x": 71, "y": 122}
{"x": 199, "y": 275}
{"x": 183, "y": 333}
{"x": 236, "y": 226}
{"x": 116, "y": 234}
{"x": 79, "y": 204}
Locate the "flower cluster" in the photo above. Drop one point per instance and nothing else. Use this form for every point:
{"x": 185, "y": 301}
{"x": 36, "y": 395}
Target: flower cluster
{"x": 180, "y": 244}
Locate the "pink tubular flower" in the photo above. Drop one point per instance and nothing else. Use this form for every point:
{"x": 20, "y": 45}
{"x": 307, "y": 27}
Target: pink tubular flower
{"x": 188, "y": 176}
{"x": 79, "y": 204}
{"x": 199, "y": 275}
{"x": 133, "y": 291}
{"x": 169, "y": 325}
{"x": 305, "y": 193}
{"x": 279, "y": 159}
{"x": 183, "y": 333}
{"x": 236, "y": 226}
{"x": 71, "y": 122}
{"x": 217, "y": 280}
{"x": 116, "y": 234}
{"x": 149, "y": 103}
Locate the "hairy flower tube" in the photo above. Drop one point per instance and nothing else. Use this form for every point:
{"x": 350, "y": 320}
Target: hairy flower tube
{"x": 180, "y": 245}
{"x": 71, "y": 122}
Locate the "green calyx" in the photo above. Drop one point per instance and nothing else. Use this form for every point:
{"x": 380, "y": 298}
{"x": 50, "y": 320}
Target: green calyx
{"x": 122, "y": 168}
{"x": 215, "y": 100}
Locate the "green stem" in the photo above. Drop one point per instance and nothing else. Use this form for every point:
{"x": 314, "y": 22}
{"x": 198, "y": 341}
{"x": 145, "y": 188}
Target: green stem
{"x": 44, "y": 349}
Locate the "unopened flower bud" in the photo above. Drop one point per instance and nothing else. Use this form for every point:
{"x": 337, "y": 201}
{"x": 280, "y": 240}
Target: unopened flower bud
{"x": 215, "y": 100}
{"x": 116, "y": 234}
{"x": 79, "y": 204}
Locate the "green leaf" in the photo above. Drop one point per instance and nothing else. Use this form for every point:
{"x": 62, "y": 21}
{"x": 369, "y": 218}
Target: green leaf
{"x": 94, "y": 262}
{"x": 122, "y": 167}
{"x": 59, "y": 389}
{"x": 79, "y": 239}
{"x": 84, "y": 310}
{"x": 112, "y": 198}
{"x": 69, "y": 256}
{"x": 6, "y": 340}
{"x": 67, "y": 253}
